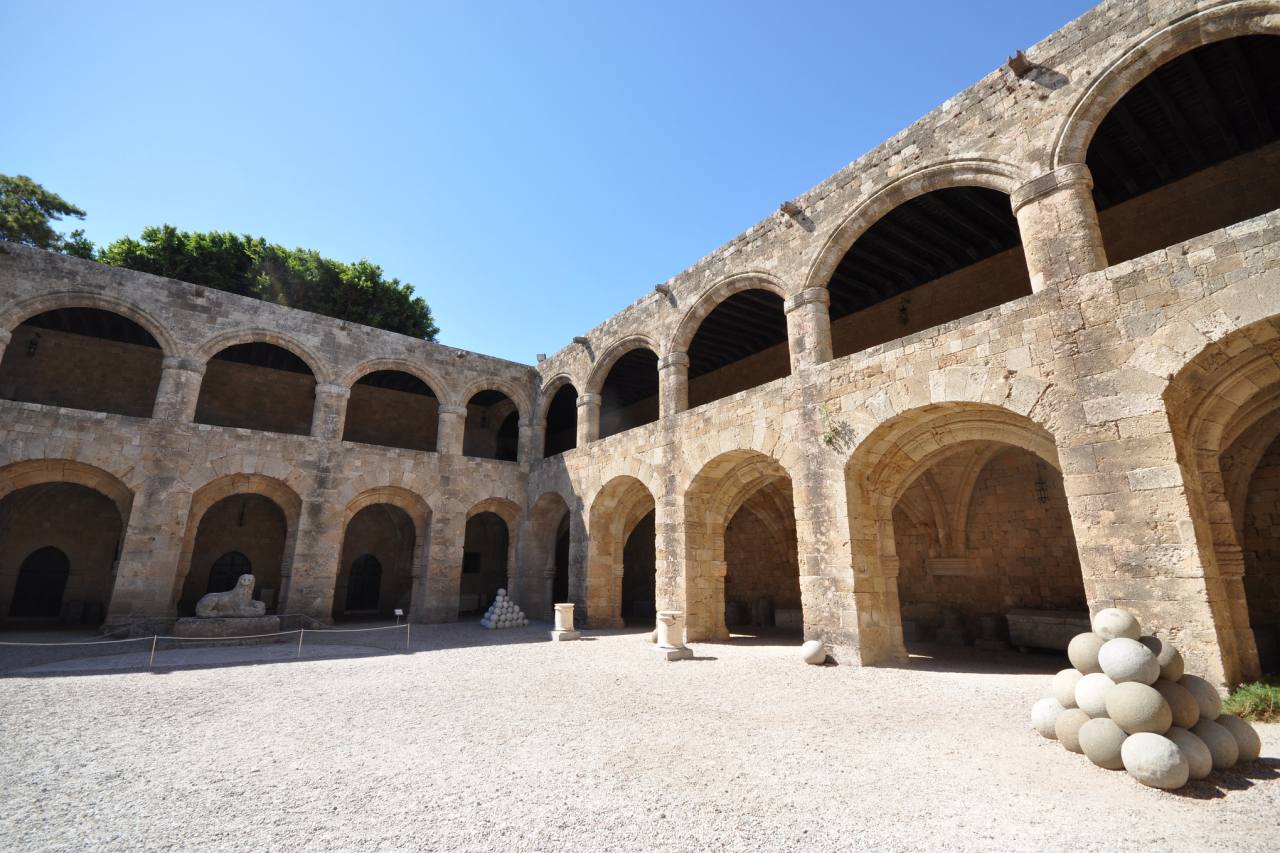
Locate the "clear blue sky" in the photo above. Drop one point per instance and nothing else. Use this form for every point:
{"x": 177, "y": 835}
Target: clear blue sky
{"x": 531, "y": 168}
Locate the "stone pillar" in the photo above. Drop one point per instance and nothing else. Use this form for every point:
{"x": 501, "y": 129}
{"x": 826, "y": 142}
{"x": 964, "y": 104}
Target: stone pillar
{"x": 588, "y": 418}
{"x": 673, "y": 384}
{"x": 1059, "y": 225}
{"x": 670, "y": 641}
{"x": 808, "y": 327}
{"x": 537, "y": 440}
{"x": 453, "y": 423}
{"x": 329, "y": 415}
{"x": 310, "y": 573}
{"x": 179, "y": 390}
{"x": 151, "y": 549}
{"x": 525, "y": 449}
{"x": 5, "y": 337}
{"x": 437, "y": 601}
{"x": 1230, "y": 561}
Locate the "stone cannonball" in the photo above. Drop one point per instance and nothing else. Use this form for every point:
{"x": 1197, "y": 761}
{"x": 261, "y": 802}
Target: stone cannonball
{"x": 1207, "y": 696}
{"x": 1154, "y": 760}
{"x": 1246, "y": 736}
{"x": 1113, "y": 622}
{"x": 1100, "y": 740}
{"x": 1044, "y": 716}
{"x": 1091, "y": 694}
{"x": 1082, "y": 651}
{"x": 1067, "y": 728}
{"x": 1185, "y": 708}
{"x": 1138, "y": 708}
{"x": 1169, "y": 658}
{"x": 813, "y": 652}
{"x": 1199, "y": 759}
{"x": 1064, "y": 687}
{"x": 1222, "y": 744}
{"x": 1124, "y": 660}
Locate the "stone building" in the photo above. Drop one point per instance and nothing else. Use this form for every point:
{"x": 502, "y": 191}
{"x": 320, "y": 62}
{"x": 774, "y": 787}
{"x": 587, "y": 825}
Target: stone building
{"x": 1023, "y": 356}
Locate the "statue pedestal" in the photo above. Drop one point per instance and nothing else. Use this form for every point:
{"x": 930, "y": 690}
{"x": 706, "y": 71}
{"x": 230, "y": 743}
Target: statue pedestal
{"x": 564, "y": 624}
{"x": 670, "y": 636}
{"x": 221, "y": 627}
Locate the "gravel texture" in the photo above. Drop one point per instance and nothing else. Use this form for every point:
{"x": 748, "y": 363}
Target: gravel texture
{"x": 486, "y": 740}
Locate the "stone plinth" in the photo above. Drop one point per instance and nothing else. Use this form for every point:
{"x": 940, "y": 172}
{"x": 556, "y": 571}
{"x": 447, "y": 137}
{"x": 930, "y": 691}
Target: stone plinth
{"x": 216, "y": 628}
{"x": 564, "y": 624}
{"x": 670, "y": 639}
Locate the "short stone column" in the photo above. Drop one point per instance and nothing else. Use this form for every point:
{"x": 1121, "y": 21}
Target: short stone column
{"x": 670, "y": 640}
{"x": 808, "y": 327}
{"x": 525, "y": 451}
{"x": 588, "y": 418}
{"x": 673, "y": 384}
{"x": 329, "y": 415}
{"x": 452, "y": 424}
{"x": 179, "y": 390}
{"x": 564, "y": 624}
{"x": 1059, "y": 225}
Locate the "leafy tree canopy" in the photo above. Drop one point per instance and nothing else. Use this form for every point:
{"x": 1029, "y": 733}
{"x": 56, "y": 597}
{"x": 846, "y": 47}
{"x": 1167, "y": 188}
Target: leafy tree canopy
{"x": 27, "y": 211}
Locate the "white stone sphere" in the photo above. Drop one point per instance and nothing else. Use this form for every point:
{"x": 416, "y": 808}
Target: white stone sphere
{"x": 524, "y": 623}
{"x": 1246, "y": 736}
{"x": 1185, "y": 708}
{"x": 1100, "y": 741}
{"x": 1138, "y": 708}
{"x": 1082, "y": 651}
{"x": 1170, "y": 659}
{"x": 1067, "y": 728}
{"x": 1207, "y": 696}
{"x": 1112, "y": 623}
{"x": 1199, "y": 759}
{"x": 1044, "y": 716}
{"x": 1124, "y": 660}
{"x": 1091, "y": 693}
{"x": 813, "y": 652}
{"x": 1222, "y": 744}
{"x": 502, "y": 593}
{"x": 1154, "y": 760}
{"x": 1064, "y": 687}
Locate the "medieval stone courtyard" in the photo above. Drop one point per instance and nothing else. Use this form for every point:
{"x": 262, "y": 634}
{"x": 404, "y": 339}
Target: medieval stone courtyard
{"x": 502, "y": 740}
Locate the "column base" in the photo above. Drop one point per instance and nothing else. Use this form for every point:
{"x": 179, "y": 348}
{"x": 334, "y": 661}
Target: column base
{"x": 564, "y": 636}
{"x": 674, "y": 654}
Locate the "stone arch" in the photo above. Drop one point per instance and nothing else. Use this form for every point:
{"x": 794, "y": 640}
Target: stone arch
{"x": 880, "y": 470}
{"x": 550, "y": 514}
{"x": 22, "y": 310}
{"x": 437, "y": 385}
{"x": 34, "y": 472}
{"x": 213, "y": 492}
{"x": 516, "y": 394}
{"x": 474, "y": 533}
{"x": 558, "y": 416}
{"x": 392, "y": 402}
{"x": 988, "y": 174}
{"x": 319, "y": 366}
{"x": 1106, "y": 88}
{"x": 418, "y": 511}
{"x": 685, "y": 330}
{"x": 549, "y": 390}
{"x": 600, "y": 370}
{"x": 616, "y": 509}
{"x": 715, "y": 494}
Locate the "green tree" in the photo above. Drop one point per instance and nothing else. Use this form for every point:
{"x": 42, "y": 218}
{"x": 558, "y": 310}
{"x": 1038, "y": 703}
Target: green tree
{"x": 27, "y": 211}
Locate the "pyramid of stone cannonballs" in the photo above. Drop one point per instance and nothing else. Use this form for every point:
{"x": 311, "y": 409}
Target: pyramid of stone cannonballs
{"x": 1127, "y": 705}
{"x": 503, "y": 613}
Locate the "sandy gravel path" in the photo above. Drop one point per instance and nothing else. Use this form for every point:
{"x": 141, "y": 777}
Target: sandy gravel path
{"x": 502, "y": 741}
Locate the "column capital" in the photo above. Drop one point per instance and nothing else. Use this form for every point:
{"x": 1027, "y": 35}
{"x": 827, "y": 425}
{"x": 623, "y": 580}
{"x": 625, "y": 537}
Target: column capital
{"x": 330, "y": 390}
{"x": 446, "y": 409}
{"x": 190, "y": 365}
{"x": 585, "y": 400}
{"x": 1072, "y": 174}
{"x": 673, "y": 359}
{"x": 806, "y": 297}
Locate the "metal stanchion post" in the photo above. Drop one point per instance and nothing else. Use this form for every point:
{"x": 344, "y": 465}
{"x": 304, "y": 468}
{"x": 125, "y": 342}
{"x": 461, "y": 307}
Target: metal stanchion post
{"x": 152, "y": 662}
{"x": 301, "y": 631}
{"x": 406, "y": 638}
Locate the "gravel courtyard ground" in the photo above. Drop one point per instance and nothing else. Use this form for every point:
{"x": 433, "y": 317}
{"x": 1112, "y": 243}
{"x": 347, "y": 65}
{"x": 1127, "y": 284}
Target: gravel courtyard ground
{"x": 501, "y": 740}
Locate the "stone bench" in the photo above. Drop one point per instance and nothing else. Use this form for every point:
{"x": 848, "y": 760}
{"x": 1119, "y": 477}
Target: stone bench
{"x": 1046, "y": 629}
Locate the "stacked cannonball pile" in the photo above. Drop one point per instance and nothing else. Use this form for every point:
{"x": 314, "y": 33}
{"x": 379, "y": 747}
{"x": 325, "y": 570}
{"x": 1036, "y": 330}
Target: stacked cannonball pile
{"x": 503, "y": 613}
{"x": 1128, "y": 705}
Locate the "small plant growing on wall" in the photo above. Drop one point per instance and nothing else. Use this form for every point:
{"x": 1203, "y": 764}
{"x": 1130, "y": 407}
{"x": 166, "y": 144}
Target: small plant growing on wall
{"x": 836, "y": 434}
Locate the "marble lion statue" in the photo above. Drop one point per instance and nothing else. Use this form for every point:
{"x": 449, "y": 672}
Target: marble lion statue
{"x": 237, "y": 601}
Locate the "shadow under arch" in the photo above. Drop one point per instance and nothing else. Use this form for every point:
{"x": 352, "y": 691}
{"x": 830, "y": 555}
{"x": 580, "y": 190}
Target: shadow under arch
{"x": 616, "y": 509}
{"x": 418, "y": 512}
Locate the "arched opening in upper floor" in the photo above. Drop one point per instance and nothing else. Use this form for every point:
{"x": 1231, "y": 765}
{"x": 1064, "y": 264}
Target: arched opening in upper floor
{"x": 1191, "y": 148}
{"x": 562, "y": 422}
{"x": 83, "y": 358}
{"x": 629, "y": 394}
{"x": 257, "y": 385}
{"x": 740, "y": 344}
{"x": 392, "y": 408}
{"x": 493, "y": 427}
{"x": 935, "y": 258}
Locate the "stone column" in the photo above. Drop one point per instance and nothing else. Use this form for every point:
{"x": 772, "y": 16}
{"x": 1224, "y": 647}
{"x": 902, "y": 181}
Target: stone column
{"x": 329, "y": 415}
{"x": 438, "y": 601}
{"x": 1059, "y": 225}
{"x": 588, "y": 418}
{"x": 453, "y": 422}
{"x": 808, "y": 327}
{"x": 179, "y": 390}
{"x": 151, "y": 549}
{"x": 525, "y": 449}
{"x": 311, "y": 571}
{"x": 537, "y": 440}
{"x": 673, "y": 384}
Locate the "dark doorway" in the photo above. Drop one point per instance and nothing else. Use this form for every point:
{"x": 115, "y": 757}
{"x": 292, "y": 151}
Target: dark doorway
{"x": 365, "y": 583}
{"x": 226, "y": 570}
{"x": 41, "y": 582}
{"x": 639, "y": 575}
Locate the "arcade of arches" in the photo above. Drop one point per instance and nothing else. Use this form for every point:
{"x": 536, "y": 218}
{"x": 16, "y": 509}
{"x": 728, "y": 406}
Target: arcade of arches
{"x": 939, "y": 388}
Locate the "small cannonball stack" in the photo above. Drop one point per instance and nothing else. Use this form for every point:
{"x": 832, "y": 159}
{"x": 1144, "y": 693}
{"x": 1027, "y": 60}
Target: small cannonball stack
{"x": 503, "y": 613}
{"x": 1126, "y": 704}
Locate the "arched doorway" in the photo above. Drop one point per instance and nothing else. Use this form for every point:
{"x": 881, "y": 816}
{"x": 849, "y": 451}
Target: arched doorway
{"x": 562, "y": 422}
{"x": 492, "y": 427}
{"x": 741, "y": 563}
{"x": 629, "y": 393}
{"x": 260, "y": 386}
{"x": 83, "y": 358}
{"x": 485, "y": 559}
{"x": 59, "y": 543}
{"x": 640, "y": 575}
{"x": 741, "y": 343}
{"x": 620, "y": 555}
{"x": 375, "y": 576}
{"x": 226, "y": 571}
{"x": 240, "y": 530}
{"x": 364, "y": 583}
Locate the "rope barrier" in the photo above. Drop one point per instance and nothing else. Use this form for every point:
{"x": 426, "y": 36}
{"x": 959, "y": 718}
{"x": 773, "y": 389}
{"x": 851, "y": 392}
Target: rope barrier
{"x": 79, "y": 642}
